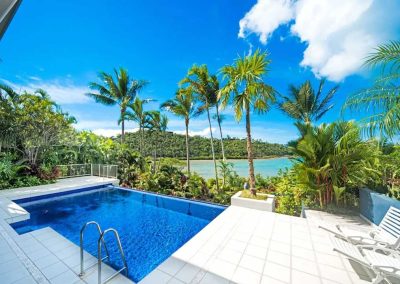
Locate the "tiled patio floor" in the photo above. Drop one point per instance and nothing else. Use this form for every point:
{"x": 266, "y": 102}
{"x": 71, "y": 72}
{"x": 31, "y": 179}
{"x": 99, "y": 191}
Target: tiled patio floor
{"x": 249, "y": 246}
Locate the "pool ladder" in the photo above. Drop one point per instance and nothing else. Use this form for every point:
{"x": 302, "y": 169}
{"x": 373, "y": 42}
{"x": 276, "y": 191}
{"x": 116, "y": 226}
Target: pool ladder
{"x": 101, "y": 242}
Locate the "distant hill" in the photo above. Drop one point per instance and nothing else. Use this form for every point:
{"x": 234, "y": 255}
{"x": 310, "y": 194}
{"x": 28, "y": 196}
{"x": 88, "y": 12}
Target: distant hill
{"x": 173, "y": 145}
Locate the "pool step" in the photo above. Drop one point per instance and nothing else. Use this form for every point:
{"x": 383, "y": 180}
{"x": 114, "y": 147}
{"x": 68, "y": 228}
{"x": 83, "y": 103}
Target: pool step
{"x": 100, "y": 259}
{"x": 91, "y": 276}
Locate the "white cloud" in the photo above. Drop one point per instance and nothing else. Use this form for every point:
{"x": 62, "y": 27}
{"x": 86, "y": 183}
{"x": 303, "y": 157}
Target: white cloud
{"x": 265, "y": 17}
{"x": 61, "y": 91}
{"x": 202, "y": 132}
{"x": 339, "y": 34}
{"x": 107, "y": 128}
{"x": 84, "y": 124}
{"x": 109, "y": 132}
{"x": 34, "y": 78}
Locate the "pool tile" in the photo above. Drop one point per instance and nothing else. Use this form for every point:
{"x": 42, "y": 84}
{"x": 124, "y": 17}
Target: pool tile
{"x": 270, "y": 280}
{"x": 13, "y": 275}
{"x": 171, "y": 266}
{"x": 157, "y": 276}
{"x": 54, "y": 269}
{"x": 230, "y": 255}
{"x": 279, "y": 258}
{"x": 304, "y": 265}
{"x": 331, "y": 260}
{"x": 335, "y": 274}
{"x": 65, "y": 277}
{"x": 277, "y": 271}
{"x": 245, "y": 276}
{"x": 299, "y": 277}
{"x": 307, "y": 254}
{"x": 91, "y": 276}
{"x": 10, "y": 265}
{"x": 8, "y": 256}
{"x": 35, "y": 255}
{"x": 26, "y": 280}
{"x": 279, "y": 247}
{"x": 68, "y": 252}
{"x": 210, "y": 278}
{"x": 187, "y": 273}
{"x": 199, "y": 259}
{"x": 46, "y": 261}
{"x": 252, "y": 263}
{"x": 221, "y": 268}
{"x": 256, "y": 251}
{"x": 175, "y": 281}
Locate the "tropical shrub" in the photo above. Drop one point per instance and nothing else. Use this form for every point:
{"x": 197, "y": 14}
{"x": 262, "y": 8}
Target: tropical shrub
{"x": 334, "y": 155}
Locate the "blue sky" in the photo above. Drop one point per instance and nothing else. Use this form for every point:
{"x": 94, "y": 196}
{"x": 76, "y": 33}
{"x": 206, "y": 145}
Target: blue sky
{"x": 61, "y": 45}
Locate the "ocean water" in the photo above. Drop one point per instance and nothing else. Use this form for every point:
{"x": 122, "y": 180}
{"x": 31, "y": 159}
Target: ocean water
{"x": 265, "y": 167}
{"x": 151, "y": 226}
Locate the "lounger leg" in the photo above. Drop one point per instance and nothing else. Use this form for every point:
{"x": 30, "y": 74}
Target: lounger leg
{"x": 379, "y": 278}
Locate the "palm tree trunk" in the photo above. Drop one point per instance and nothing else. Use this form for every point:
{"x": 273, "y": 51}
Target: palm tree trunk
{"x": 220, "y": 132}
{"x": 250, "y": 153}
{"x": 140, "y": 139}
{"x": 187, "y": 146}
{"x": 155, "y": 153}
{"x": 212, "y": 149}
{"x": 122, "y": 128}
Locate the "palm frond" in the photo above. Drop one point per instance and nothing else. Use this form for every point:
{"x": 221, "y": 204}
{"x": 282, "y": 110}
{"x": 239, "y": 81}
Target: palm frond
{"x": 99, "y": 98}
{"x": 385, "y": 55}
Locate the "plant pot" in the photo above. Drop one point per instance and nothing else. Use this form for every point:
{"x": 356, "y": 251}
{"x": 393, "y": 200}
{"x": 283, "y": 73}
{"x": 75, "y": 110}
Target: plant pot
{"x": 263, "y": 205}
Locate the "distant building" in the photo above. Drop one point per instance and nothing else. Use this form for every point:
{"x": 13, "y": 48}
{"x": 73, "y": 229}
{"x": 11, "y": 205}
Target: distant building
{"x": 8, "y": 8}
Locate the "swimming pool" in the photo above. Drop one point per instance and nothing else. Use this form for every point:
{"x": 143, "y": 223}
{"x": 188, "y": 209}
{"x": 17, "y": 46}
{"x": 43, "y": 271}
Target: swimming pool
{"x": 151, "y": 226}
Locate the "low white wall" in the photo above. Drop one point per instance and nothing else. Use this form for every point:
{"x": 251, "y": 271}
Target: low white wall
{"x": 263, "y": 205}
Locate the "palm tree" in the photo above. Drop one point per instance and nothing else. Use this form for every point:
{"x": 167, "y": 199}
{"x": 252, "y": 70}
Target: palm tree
{"x": 199, "y": 79}
{"x": 382, "y": 100}
{"x": 137, "y": 114}
{"x": 247, "y": 90}
{"x": 215, "y": 88}
{"x": 156, "y": 123}
{"x": 120, "y": 91}
{"x": 8, "y": 103}
{"x": 182, "y": 105}
{"x": 303, "y": 104}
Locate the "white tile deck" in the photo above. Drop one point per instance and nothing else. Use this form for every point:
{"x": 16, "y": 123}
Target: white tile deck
{"x": 249, "y": 246}
{"x": 240, "y": 246}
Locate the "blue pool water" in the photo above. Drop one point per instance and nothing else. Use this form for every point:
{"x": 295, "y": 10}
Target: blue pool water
{"x": 151, "y": 226}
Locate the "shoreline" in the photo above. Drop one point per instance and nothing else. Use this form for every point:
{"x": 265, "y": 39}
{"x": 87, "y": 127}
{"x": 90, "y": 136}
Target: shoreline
{"x": 244, "y": 159}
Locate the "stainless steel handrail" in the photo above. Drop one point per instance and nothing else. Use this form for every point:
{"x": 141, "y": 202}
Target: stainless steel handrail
{"x": 99, "y": 259}
{"x": 81, "y": 245}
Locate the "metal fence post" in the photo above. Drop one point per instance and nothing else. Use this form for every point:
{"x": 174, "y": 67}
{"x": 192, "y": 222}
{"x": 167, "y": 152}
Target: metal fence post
{"x": 91, "y": 169}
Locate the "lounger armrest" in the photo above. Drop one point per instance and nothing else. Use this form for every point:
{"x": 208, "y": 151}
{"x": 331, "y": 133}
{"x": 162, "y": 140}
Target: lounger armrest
{"x": 341, "y": 228}
{"x": 387, "y": 251}
{"x": 388, "y": 270}
{"x": 360, "y": 240}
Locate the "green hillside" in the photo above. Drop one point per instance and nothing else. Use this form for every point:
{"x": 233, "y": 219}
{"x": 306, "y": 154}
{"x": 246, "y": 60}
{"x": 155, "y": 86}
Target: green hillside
{"x": 173, "y": 145}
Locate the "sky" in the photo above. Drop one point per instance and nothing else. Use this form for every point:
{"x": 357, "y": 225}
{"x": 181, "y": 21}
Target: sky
{"x": 61, "y": 46}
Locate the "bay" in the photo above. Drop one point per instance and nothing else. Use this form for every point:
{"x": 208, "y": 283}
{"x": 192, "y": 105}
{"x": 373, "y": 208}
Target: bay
{"x": 265, "y": 167}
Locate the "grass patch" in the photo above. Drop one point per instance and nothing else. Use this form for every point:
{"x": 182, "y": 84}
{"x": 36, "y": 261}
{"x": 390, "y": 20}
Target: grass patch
{"x": 247, "y": 194}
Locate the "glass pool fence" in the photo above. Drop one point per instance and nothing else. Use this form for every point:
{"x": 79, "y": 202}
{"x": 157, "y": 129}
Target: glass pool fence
{"x": 77, "y": 170}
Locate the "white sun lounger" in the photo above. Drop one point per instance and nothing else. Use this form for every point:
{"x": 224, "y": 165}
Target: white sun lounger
{"x": 384, "y": 262}
{"x": 387, "y": 234}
